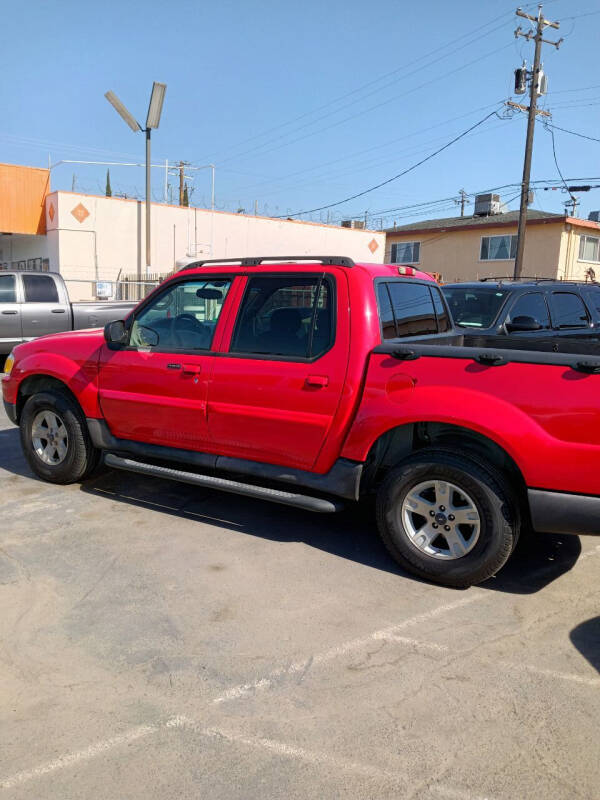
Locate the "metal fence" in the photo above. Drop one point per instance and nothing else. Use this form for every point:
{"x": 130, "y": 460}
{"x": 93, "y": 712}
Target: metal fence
{"x": 127, "y": 287}
{"x": 130, "y": 287}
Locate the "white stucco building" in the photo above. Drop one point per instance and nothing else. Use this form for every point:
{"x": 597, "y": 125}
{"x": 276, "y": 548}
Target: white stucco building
{"x": 90, "y": 238}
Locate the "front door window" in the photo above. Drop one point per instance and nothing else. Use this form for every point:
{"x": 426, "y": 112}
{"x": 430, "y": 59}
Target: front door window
{"x": 183, "y": 318}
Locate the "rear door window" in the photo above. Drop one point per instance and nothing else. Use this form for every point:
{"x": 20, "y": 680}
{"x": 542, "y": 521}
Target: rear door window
{"x": 287, "y": 316}
{"x": 40, "y": 289}
{"x": 8, "y": 289}
{"x": 408, "y": 311}
{"x": 568, "y": 310}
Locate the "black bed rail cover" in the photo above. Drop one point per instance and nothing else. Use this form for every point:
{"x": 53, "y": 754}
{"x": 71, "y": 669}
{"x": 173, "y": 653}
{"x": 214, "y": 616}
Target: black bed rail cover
{"x": 488, "y": 356}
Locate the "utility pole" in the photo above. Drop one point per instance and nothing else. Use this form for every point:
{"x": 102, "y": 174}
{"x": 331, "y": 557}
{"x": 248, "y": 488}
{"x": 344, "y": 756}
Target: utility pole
{"x": 181, "y": 182}
{"x": 572, "y": 205}
{"x": 462, "y": 201}
{"x": 534, "y": 90}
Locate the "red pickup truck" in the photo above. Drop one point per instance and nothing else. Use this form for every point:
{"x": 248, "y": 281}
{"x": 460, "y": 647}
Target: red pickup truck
{"x": 315, "y": 382}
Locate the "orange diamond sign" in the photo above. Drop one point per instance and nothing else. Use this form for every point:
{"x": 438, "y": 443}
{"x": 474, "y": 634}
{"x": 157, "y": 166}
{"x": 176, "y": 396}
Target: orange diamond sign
{"x": 373, "y": 245}
{"x": 51, "y": 212}
{"x": 80, "y": 212}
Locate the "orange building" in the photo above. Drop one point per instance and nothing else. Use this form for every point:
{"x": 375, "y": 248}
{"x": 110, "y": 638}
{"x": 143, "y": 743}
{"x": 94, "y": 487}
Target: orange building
{"x": 23, "y": 193}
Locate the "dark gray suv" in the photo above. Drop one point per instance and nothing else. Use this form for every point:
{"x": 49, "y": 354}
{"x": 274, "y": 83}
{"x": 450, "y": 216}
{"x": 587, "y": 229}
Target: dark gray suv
{"x": 528, "y": 308}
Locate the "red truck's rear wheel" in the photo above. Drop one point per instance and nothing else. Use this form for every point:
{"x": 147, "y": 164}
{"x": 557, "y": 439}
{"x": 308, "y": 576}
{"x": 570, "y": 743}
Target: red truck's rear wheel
{"x": 447, "y": 518}
{"x": 55, "y": 439}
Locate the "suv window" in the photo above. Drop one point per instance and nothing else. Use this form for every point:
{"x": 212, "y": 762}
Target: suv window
{"x": 474, "y": 306}
{"x": 592, "y": 295}
{"x": 40, "y": 289}
{"x": 441, "y": 312}
{"x": 286, "y": 316}
{"x": 8, "y": 292}
{"x": 532, "y": 304}
{"x": 568, "y": 310}
{"x": 406, "y": 309}
{"x": 183, "y": 317}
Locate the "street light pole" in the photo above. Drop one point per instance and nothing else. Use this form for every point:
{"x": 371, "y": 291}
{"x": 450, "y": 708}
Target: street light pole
{"x": 148, "y": 202}
{"x": 152, "y": 121}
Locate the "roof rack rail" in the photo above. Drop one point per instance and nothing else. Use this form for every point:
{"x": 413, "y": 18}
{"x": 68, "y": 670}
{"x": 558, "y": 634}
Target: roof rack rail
{"x": 333, "y": 261}
{"x": 532, "y": 278}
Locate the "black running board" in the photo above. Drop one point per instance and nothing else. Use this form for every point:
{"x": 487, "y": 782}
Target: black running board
{"x": 322, "y": 505}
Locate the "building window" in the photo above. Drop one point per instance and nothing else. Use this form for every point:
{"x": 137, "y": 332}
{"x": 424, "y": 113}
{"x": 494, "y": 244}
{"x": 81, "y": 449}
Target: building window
{"x": 589, "y": 249}
{"x": 498, "y": 248}
{"x": 406, "y": 253}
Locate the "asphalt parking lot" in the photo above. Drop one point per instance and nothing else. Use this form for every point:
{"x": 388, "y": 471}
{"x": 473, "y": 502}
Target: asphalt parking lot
{"x": 162, "y": 641}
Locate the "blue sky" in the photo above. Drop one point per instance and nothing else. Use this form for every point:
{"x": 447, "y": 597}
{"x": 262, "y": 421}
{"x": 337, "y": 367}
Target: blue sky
{"x": 299, "y": 105}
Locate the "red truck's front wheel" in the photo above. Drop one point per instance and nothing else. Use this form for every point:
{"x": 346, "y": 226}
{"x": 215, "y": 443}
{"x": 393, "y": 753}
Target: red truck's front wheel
{"x": 447, "y": 518}
{"x": 55, "y": 438}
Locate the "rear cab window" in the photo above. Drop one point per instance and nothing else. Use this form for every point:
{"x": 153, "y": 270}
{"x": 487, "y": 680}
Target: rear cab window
{"x": 410, "y": 309}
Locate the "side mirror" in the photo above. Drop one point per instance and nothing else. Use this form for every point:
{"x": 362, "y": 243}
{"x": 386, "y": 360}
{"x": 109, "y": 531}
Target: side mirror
{"x": 115, "y": 333}
{"x": 523, "y": 323}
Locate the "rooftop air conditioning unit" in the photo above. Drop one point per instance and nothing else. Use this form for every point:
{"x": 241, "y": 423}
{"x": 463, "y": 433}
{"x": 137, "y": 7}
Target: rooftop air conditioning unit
{"x": 594, "y": 216}
{"x": 357, "y": 224}
{"x": 487, "y": 204}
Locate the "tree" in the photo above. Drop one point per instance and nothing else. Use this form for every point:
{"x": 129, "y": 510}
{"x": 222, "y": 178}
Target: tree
{"x": 186, "y": 197}
{"x": 108, "y": 187}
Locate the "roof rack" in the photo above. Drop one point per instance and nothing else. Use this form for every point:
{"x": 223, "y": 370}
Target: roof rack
{"x": 532, "y": 278}
{"x": 334, "y": 261}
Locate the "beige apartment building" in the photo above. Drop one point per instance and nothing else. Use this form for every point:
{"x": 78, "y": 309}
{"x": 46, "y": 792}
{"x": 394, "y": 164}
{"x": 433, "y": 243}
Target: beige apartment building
{"x": 469, "y": 248}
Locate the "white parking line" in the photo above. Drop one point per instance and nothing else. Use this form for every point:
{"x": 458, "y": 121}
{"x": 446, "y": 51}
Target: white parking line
{"x": 283, "y": 749}
{"x": 550, "y": 673}
{"x": 69, "y": 759}
{"x": 340, "y": 650}
{"x": 418, "y": 644}
{"x": 290, "y": 751}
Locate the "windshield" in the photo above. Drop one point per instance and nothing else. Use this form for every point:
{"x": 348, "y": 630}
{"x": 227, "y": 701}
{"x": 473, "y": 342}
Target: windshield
{"x": 474, "y": 306}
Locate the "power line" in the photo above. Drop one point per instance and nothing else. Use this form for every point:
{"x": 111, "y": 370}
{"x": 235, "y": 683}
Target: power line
{"x": 367, "y": 85}
{"x": 350, "y": 156}
{"x": 573, "y": 133}
{"x": 369, "y": 109}
{"x": 552, "y": 184}
{"x": 400, "y": 174}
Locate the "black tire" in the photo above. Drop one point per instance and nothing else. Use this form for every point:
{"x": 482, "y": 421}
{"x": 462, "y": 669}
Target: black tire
{"x": 493, "y": 497}
{"x": 81, "y": 458}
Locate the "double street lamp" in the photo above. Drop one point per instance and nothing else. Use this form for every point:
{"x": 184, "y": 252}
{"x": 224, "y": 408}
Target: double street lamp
{"x": 152, "y": 121}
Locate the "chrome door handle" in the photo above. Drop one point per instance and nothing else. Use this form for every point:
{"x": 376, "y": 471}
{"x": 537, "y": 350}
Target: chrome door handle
{"x": 10, "y": 312}
{"x": 58, "y": 311}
